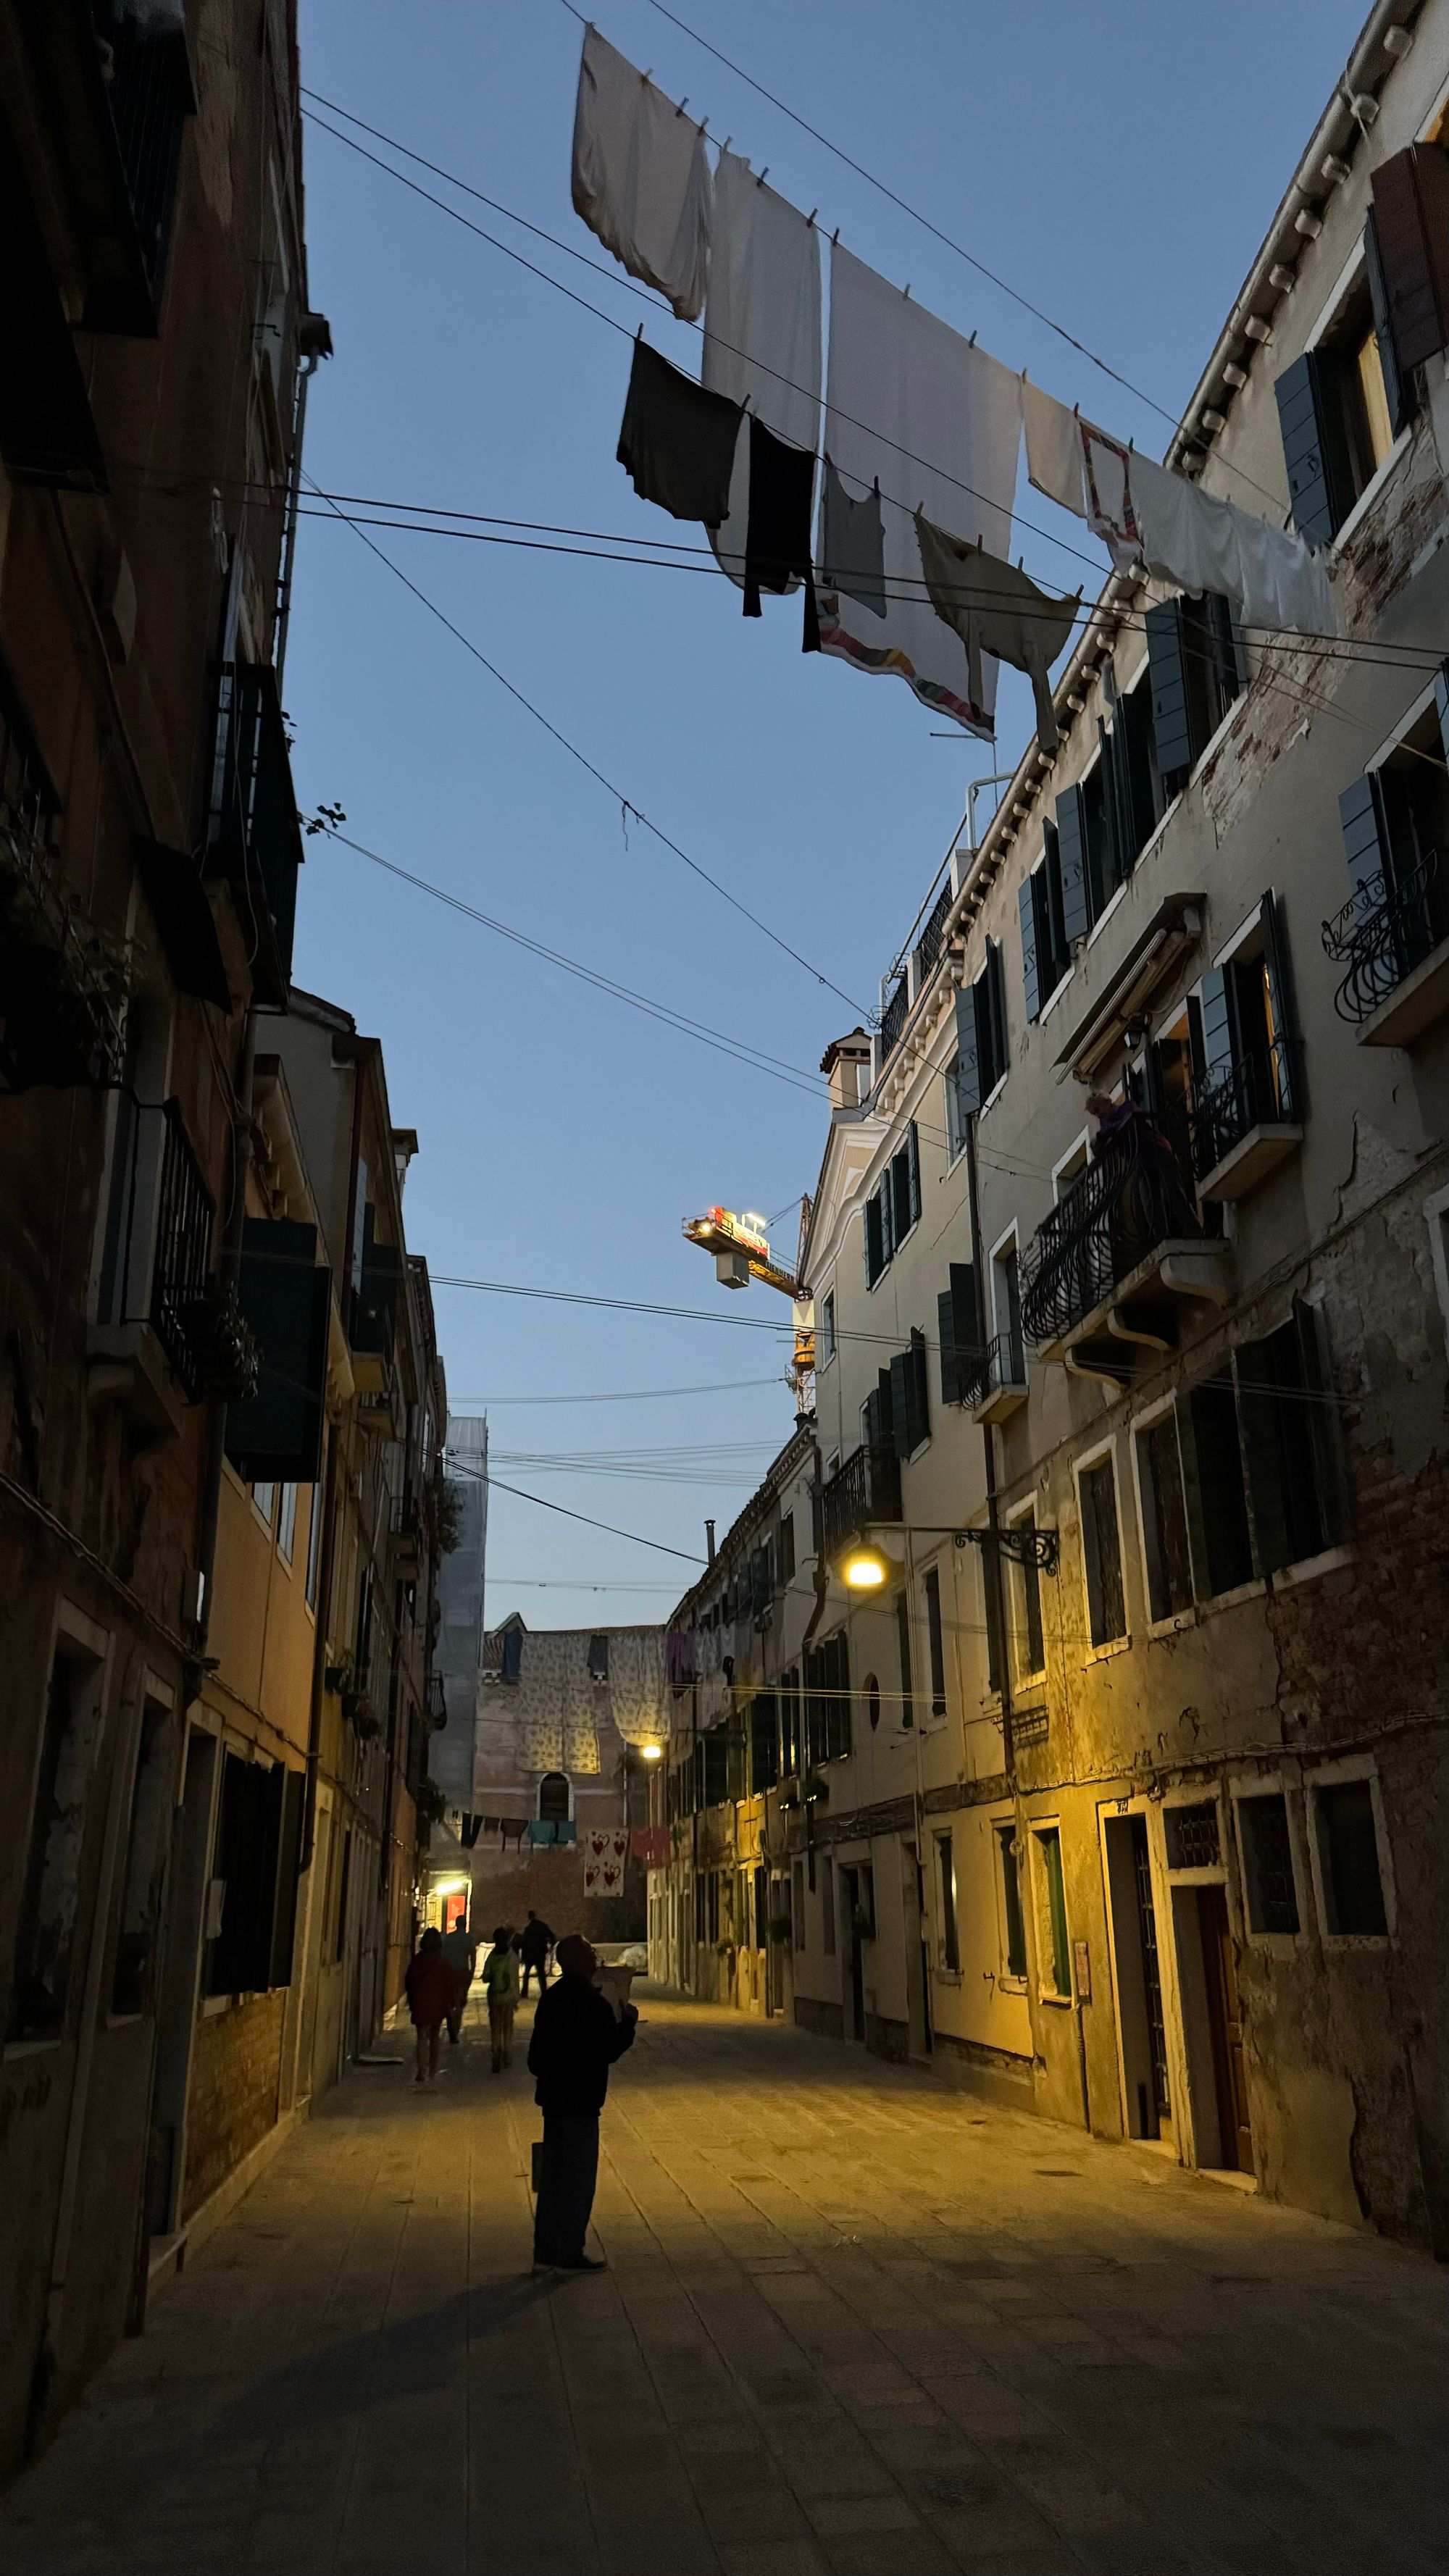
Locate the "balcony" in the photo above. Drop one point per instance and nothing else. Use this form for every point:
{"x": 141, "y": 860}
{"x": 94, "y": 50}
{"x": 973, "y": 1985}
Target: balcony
{"x": 63, "y": 981}
{"x": 1242, "y": 1124}
{"x": 1120, "y": 1260}
{"x": 168, "y": 1336}
{"x": 865, "y": 1490}
{"x": 994, "y": 1380}
{"x": 1392, "y": 939}
{"x": 435, "y": 1701}
{"x": 928, "y": 946}
{"x": 407, "y": 1538}
{"x": 893, "y": 1018}
{"x": 254, "y": 836}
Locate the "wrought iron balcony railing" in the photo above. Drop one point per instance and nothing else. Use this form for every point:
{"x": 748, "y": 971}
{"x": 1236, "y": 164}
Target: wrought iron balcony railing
{"x": 1001, "y": 1364}
{"x": 148, "y": 91}
{"x": 63, "y": 981}
{"x": 867, "y": 1488}
{"x": 1132, "y": 1196}
{"x": 435, "y": 1702}
{"x": 181, "y": 1294}
{"x": 1388, "y": 926}
{"x": 928, "y": 947}
{"x": 893, "y": 1018}
{"x": 1261, "y": 1091}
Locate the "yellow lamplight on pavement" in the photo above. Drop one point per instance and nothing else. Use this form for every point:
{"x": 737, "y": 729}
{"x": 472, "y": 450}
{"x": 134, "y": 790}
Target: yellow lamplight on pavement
{"x": 864, "y": 1568}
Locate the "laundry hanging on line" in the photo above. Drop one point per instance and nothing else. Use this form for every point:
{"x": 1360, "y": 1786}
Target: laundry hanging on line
{"x": 762, "y": 343}
{"x": 641, "y": 177}
{"x": 780, "y": 525}
{"x": 1053, "y": 448}
{"x": 650, "y": 1843}
{"x": 677, "y": 439}
{"x": 935, "y": 423}
{"x": 1199, "y": 543}
{"x": 996, "y": 608}
{"x": 852, "y": 543}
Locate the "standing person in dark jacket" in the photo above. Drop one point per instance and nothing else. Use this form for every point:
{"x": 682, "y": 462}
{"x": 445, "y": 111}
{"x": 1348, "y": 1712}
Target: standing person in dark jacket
{"x": 534, "y": 1944}
{"x": 429, "y": 1984}
{"x": 575, "y": 2042}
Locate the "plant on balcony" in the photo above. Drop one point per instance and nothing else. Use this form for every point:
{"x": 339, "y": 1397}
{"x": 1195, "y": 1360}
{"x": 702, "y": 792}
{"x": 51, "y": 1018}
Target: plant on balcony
{"x": 229, "y": 1359}
{"x": 64, "y": 982}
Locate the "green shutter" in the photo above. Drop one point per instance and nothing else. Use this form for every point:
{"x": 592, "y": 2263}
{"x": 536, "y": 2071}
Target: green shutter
{"x": 1315, "y": 449}
{"x": 913, "y": 1170}
{"x": 991, "y": 990}
{"x": 1071, "y": 810}
{"x": 901, "y": 1418}
{"x": 946, "y": 1336}
{"x": 1028, "y": 947}
{"x": 968, "y": 1066}
{"x": 920, "y": 1402}
{"x": 286, "y": 1299}
{"x": 1167, "y": 678}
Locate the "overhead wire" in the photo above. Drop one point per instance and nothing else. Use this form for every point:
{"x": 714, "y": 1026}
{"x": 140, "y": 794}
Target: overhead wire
{"x": 621, "y": 1395}
{"x": 479, "y": 1476}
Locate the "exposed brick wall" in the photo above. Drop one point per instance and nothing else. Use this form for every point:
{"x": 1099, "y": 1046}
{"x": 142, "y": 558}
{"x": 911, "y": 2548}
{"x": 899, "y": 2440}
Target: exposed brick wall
{"x": 235, "y": 2074}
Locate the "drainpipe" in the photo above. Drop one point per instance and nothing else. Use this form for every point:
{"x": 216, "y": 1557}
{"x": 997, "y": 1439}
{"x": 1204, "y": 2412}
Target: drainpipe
{"x": 993, "y": 1549}
{"x": 47, "y": 2359}
{"x": 316, "y": 344}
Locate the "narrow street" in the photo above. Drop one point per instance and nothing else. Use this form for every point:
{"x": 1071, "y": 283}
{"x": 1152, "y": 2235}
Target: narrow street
{"x": 852, "y": 2322}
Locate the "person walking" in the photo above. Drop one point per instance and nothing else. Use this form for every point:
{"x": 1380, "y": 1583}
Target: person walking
{"x": 429, "y": 1987}
{"x": 534, "y": 1944}
{"x": 500, "y": 1985}
{"x": 576, "y": 2039}
{"x": 461, "y": 1952}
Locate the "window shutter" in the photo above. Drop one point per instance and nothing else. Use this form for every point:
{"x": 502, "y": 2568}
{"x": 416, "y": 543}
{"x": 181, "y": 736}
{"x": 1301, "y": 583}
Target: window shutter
{"x": 1167, "y": 679}
{"x": 1323, "y": 1422}
{"x": 968, "y": 1319}
{"x": 870, "y": 1420}
{"x": 1280, "y": 997}
{"x": 913, "y": 1170}
{"x": 1260, "y": 1399}
{"x": 991, "y": 984}
{"x": 1217, "y": 1027}
{"x": 918, "y": 1392}
{"x": 1365, "y": 829}
{"x": 874, "y": 1256}
{"x": 1028, "y": 948}
{"x": 886, "y": 1401}
{"x": 1410, "y": 223}
{"x": 1072, "y": 863}
{"x": 1315, "y": 450}
{"x": 946, "y": 1336}
{"x": 289, "y": 1850}
{"x": 885, "y": 1194}
{"x": 902, "y": 1217}
{"x": 1398, "y": 382}
{"x": 276, "y": 1437}
{"x": 901, "y": 1404}
{"x": 968, "y": 1070}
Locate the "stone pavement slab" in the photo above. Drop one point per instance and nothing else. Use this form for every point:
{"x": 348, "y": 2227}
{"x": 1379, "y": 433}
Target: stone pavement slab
{"x": 852, "y": 2321}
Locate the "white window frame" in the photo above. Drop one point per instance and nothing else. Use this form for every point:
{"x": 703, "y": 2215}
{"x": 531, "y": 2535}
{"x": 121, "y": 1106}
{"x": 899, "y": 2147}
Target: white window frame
{"x": 1327, "y": 1775}
{"x": 1148, "y": 1420}
{"x": 1091, "y": 1652}
{"x": 1241, "y": 1789}
{"x": 1080, "y": 1146}
{"x": 1036, "y": 1827}
{"x": 1005, "y": 1241}
{"x": 827, "y": 1332}
{"x": 1007, "y": 1982}
{"x": 1208, "y": 1874}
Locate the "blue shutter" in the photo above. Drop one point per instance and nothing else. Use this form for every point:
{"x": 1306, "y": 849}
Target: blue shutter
{"x": 1072, "y": 864}
{"x": 902, "y": 1410}
{"x": 1167, "y": 679}
{"x": 1028, "y": 948}
{"x": 1398, "y": 388}
{"x": 1365, "y": 829}
{"x": 946, "y": 1338}
{"x": 1217, "y": 1033}
{"x": 991, "y": 988}
{"x": 1315, "y": 450}
{"x": 913, "y": 1170}
{"x": 968, "y": 1070}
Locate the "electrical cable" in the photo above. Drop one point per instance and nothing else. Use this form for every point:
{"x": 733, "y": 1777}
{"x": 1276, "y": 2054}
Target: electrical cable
{"x": 624, "y": 1395}
{"x": 545, "y": 1505}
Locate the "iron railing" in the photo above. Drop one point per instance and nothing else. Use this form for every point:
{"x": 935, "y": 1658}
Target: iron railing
{"x": 148, "y": 90}
{"x": 1002, "y": 1363}
{"x": 435, "y": 1699}
{"x": 64, "y": 982}
{"x": 1388, "y": 926}
{"x": 928, "y": 947}
{"x": 1259, "y": 1091}
{"x": 181, "y": 1271}
{"x": 867, "y": 1488}
{"x": 1132, "y": 1196}
{"x": 893, "y": 1018}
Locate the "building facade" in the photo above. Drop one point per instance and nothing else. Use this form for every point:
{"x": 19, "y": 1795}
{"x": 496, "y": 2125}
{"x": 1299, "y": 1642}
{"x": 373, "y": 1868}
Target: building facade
{"x": 1129, "y": 1273}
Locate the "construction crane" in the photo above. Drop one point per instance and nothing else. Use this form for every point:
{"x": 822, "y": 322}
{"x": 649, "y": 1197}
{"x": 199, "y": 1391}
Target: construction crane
{"x": 741, "y": 1249}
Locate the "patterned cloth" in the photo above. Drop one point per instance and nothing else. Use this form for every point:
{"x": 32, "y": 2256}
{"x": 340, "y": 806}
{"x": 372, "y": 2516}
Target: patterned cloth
{"x": 605, "y": 1853}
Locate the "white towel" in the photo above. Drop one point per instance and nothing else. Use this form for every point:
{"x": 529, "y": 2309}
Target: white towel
{"x": 910, "y": 402}
{"x": 761, "y": 328}
{"x": 640, "y": 176}
{"x": 1053, "y": 448}
{"x": 1199, "y": 543}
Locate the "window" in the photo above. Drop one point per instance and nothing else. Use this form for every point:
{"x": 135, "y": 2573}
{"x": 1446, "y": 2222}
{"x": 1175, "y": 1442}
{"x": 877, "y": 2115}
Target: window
{"x": 599, "y": 1658}
{"x": 936, "y": 1641}
{"x": 1395, "y": 825}
{"x": 797, "y": 1910}
{"x": 1348, "y": 1858}
{"x": 1191, "y": 1835}
{"x": 981, "y": 1057}
{"x": 991, "y": 1603}
{"x": 946, "y": 1879}
{"x": 1030, "y": 1642}
{"x": 699, "y": 1905}
{"x": 287, "y": 1524}
{"x": 903, "y": 1650}
{"x": 314, "y": 1545}
{"x": 553, "y": 1798}
{"x": 827, "y": 1328}
{"x": 789, "y": 1724}
{"x": 764, "y": 1742}
{"x": 827, "y": 1699}
{"x": 785, "y": 1552}
{"x": 958, "y": 1332}
{"x": 1164, "y": 1520}
{"x": 1046, "y": 954}
{"x": 872, "y": 1701}
{"x": 1195, "y": 671}
{"x": 1013, "y": 1917}
{"x": 44, "y": 1947}
{"x": 711, "y": 1906}
{"x": 258, "y": 1842}
{"x": 910, "y": 1415}
{"x": 265, "y": 1497}
{"x": 1340, "y": 407}
{"x": 714, "y": 1747}
{"x": 827, "y": 1907}
{"x": 1006, "y": 1312}
{"x": 1245, "y": 1070}
{"x": 1102, "y": 1553}
{"x": 1049, "y": 1846}
{"x": 143, "y": 1884}
{"x": 1262, "y": 1468}
{"x": 1270, "y": 1892}
{"x": 893, "y": 1207}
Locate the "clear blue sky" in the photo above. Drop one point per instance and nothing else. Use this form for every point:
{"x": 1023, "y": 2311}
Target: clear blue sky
{"x": 1117, "y": 163}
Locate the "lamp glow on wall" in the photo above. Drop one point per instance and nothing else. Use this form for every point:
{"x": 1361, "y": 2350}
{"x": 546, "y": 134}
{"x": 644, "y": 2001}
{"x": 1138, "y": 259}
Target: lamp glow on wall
{"x": 864, "y": 1567}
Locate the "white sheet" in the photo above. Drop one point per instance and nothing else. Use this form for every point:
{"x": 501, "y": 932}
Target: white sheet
{"x": 1053, "y": 448}
{"x": 641, "y": 177}
{"x": 1199, "y": 543}
{"x": 939, "y": 422}
{"x": 761, "y": 327}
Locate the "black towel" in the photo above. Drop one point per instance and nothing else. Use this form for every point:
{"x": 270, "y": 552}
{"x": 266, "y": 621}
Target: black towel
{"x": 777, "y": 534}
{"x": 677, "y": 440}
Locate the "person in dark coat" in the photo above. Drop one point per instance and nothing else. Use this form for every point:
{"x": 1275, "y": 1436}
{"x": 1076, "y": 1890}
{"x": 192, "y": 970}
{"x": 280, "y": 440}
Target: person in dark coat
{"x": 430, "y": 1987}
{"x": 576, "y": 2039}
{"x": 534, "y": 1944}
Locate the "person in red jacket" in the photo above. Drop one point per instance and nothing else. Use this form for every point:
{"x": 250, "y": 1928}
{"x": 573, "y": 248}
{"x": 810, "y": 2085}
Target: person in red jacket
{"x": 430, "y": 1984}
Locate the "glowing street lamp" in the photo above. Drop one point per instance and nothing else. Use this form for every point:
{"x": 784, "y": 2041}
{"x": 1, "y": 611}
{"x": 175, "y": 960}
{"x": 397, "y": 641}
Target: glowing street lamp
{"x": 864, "y": 1567}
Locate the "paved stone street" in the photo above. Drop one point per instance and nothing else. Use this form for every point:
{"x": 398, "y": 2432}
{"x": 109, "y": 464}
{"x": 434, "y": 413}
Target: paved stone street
{"x": 853, "y": 2322}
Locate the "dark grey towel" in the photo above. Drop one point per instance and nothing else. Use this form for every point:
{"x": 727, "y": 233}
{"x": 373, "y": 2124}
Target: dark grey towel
{"x": 677, "y": 440}
{"x": 852, "y": 550}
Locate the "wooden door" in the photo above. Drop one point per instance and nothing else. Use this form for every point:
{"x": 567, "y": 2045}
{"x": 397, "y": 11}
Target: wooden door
{"x": 1225, "y": 2017}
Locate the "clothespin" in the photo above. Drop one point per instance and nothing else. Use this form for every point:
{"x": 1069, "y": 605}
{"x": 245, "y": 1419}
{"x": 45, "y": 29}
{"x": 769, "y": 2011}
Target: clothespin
{"x": 907, "y": 287}
{"x": 810, "y": 218}
{"x": 683, "y": 104}
{"x": 971, "y": 343}
{"x": 639, "y": 334}
{"x": 764, "y": 174}
{"x": 835, "y": 238}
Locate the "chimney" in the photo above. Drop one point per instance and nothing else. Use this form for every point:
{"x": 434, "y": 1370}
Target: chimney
{"x": 846, "y": 1061}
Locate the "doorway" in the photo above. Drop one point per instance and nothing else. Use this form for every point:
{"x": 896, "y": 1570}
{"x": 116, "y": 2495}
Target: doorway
{"x": 850, "y": 1911}
{"x": 181, "y": 1969}
{"x": 1137, "y": 1978}
{"x": 1224, "y": 2017}
{"x": 918, "y": 1956}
